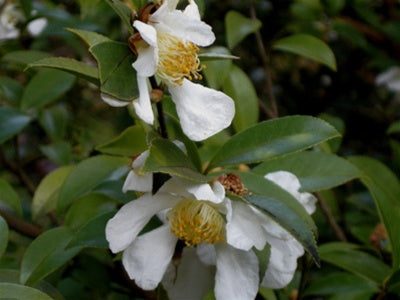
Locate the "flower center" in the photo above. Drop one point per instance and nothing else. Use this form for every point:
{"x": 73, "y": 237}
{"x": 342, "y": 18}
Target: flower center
{"x": 177, "y": 59}
{"x": 195, "y": 221}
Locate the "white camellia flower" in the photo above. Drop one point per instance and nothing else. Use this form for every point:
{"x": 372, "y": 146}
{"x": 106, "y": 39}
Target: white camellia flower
{"x": 168, "y": 49}
{"x": 219, "y": 233}
{"x": 390, "y": 78}
{"x": 9, "y": 17}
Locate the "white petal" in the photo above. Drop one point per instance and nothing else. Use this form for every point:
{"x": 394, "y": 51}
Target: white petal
{"x": 202, "y": 111}
{"x": 242, "y": 229}
{"x": 124, "y": 227}
{"x": 190, "y": 280}
{"x": 36, "y": 26}
{"x": 192, "y": 10}
{"x": 140, "y": 160}
{"x": 282, "y": 265}
{"x": 142, "y": 105}
{"x": 147, "y": 32}
{"x": 146, "y": 62}
{"x": 207, "y": 254}
{"x": 291, "y": 183}
{"x": 206, "y": 192}
{"x": 113, "y": 101}
{"x": 147, "y": 258}
{"x": 139, "y": 183}
{"x": 237, "y": 274}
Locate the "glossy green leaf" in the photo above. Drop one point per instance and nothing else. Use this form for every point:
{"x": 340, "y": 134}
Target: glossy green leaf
{"x": 45, "y": 197}
{"x": 238, "y": 27}
{"x": 239, "y": 86}
{"x": 45, "y": 87}
{"x": 283, "y": 208}
{"x": 89, "y": 37}
{"x": 21, "y": 292}
{"x": 12, "y": 121}
{"x": 166, "y": 157}
{"x": 217, "y": 71}
{"x": 272, "y": 139}
{"x": 9, "y": 196}
{"x": 69, "y": 65}
{"x": 130, "y": 142}
{"x": 10, "y": 89}
{"x": 86, "y": 176}
{"x": 308, "y": 46}
{"x": 46, "y": 254}
{"x": 385, "y": 189}
{"x": 117, "y": 77}
{"x": 87, "y": 208}
{"x": 124, "y": 13}
{"x": 3, "y": 236}
{"x": 92, "y": 234}
{"x": 316, "y": 170}
{"x": 355, "y": 261}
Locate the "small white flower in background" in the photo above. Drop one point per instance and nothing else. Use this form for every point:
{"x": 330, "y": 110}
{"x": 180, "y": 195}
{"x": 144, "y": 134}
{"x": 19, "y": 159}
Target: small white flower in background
{"x": 9, "y": 18}
{"x": 390, "y": 78}
{"x": 36, "y": 26}
{"x": 219, "y": 233}
{"x": 169, "y": 50}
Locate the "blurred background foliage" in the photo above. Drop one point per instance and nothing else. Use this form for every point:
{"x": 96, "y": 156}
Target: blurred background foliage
{"x": 70, "y": 121}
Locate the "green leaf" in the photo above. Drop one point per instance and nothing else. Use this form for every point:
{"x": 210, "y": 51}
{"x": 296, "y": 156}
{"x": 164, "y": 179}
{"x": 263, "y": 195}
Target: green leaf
{"x": 238, "y": 27}
{"x": 239, "y": 86}
{"x": 316, "y": 170}
{"x": 69, "y": 65}
{"x": 166, "y": 157}
{"x": 46, "y": 254}
{"x": 45, "y": 87}
{"x": 21, "y": 292}
{"x": 308, "y": 46}
{"x": 283, "y": 208}
{"x": 117, "y": 76}
{"x": 26, "y": 6}
{"x": 217, "y": 71}
{"x": 46, "y": 193}
{"x": 394, "y": 127}
{"x": 354, "y": 261}
{"x": 60, "y": 152}
{"x": 89, "y": 37}
{"x": 10, "y": 197}
{"x": 273, "y": 138}
{"x": 385, "y": 189}
{"x": 333, "y": 145}
{"x": 54, "y": 121}
{"x": 130, "y": 142}
{"x": 92, "y": 234}
{"x": 12, "y": 121}
{"x": 86, "y": 208}
{"x": 22, "y": 58}
{"x": 86, "y": 176}
{"x": 10, "y": 89}
{"x": 124, "y": 13}
{"x": 3, "y": 236}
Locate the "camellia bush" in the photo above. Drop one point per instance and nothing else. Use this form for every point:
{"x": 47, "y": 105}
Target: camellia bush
{"x": 199, "y": 149}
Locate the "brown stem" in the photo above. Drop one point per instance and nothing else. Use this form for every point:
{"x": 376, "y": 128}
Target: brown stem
{"x": 20, "y": 225}
{"x": 272, "y": 111}
{"x": 331, "y": 220}
{"x": 160, "y": 111}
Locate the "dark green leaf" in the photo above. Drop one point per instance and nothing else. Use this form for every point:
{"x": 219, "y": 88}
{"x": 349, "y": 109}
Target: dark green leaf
{"x": 54, "y": 121}
{"x": 239, "y": 86}
{"x": 3, "y": 236}
{"x": 130, "y": 142}
{"x": 12, "y": 121}
{"x": 86, "y": 176}
{"x": 45, "y": 87}
{"x": 46, "y": 254}
{"x": 22, "y": 58}
{"x": 21, "y": 292}
{"x": 360, "y": 263}
{"x": 238, "y": 27}
{"x": 10, "y": 197}
{"x": 216, "y": 71}
{"x": 69, "y": 65}
{"x": 124, "y": 13}
{"x": 26, "y": 7}
{"x": 273, "y": 138}
{"x": 10, "y": 89}
{"x": 166, "y": 157}
{"x": 89, "y": 37}
{"x": 394, "y": 128}
{"x": 59, "y": 152}
{"x": 315, "y": 170}
{"x": 385, "y": 189}
{"x": 308, "y": 46}
{"x": 117, "y": 76}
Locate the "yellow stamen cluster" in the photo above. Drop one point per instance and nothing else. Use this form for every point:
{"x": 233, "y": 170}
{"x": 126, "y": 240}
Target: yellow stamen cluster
{"x": 177, "y": 59}
{"x": 195, "y": 221}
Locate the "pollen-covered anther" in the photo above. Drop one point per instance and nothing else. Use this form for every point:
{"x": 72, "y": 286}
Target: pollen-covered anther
{"x": 195, "y": 222}
{"x": 177, "y": 59}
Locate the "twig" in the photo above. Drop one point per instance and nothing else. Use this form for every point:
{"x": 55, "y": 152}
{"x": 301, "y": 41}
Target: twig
{"x": 331, "y": 220}
{"x": 20, "y": 225}
{"x": 272, "y": 112}
{"x": 160, "y": 111}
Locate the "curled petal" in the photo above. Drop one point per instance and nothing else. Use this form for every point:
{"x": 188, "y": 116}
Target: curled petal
{"x": 191, "y": 10}
{"x": 147, "y": 258}
{"x": 147, "y": 32}
{"x": 142, "y": 105}
{"x": 237, "y": 274}
{"x": 202, "y": 111}
{"x": 136, "y": 181}
{"x": 113, "y": 101}
{"x": 146, "y": 62}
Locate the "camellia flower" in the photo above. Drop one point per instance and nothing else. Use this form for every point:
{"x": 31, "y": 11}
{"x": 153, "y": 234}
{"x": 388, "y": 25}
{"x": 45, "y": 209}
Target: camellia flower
{"x": 219, "y": 234}
{"x": 168, "y": 48}
{"x": 9, "y": 17}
